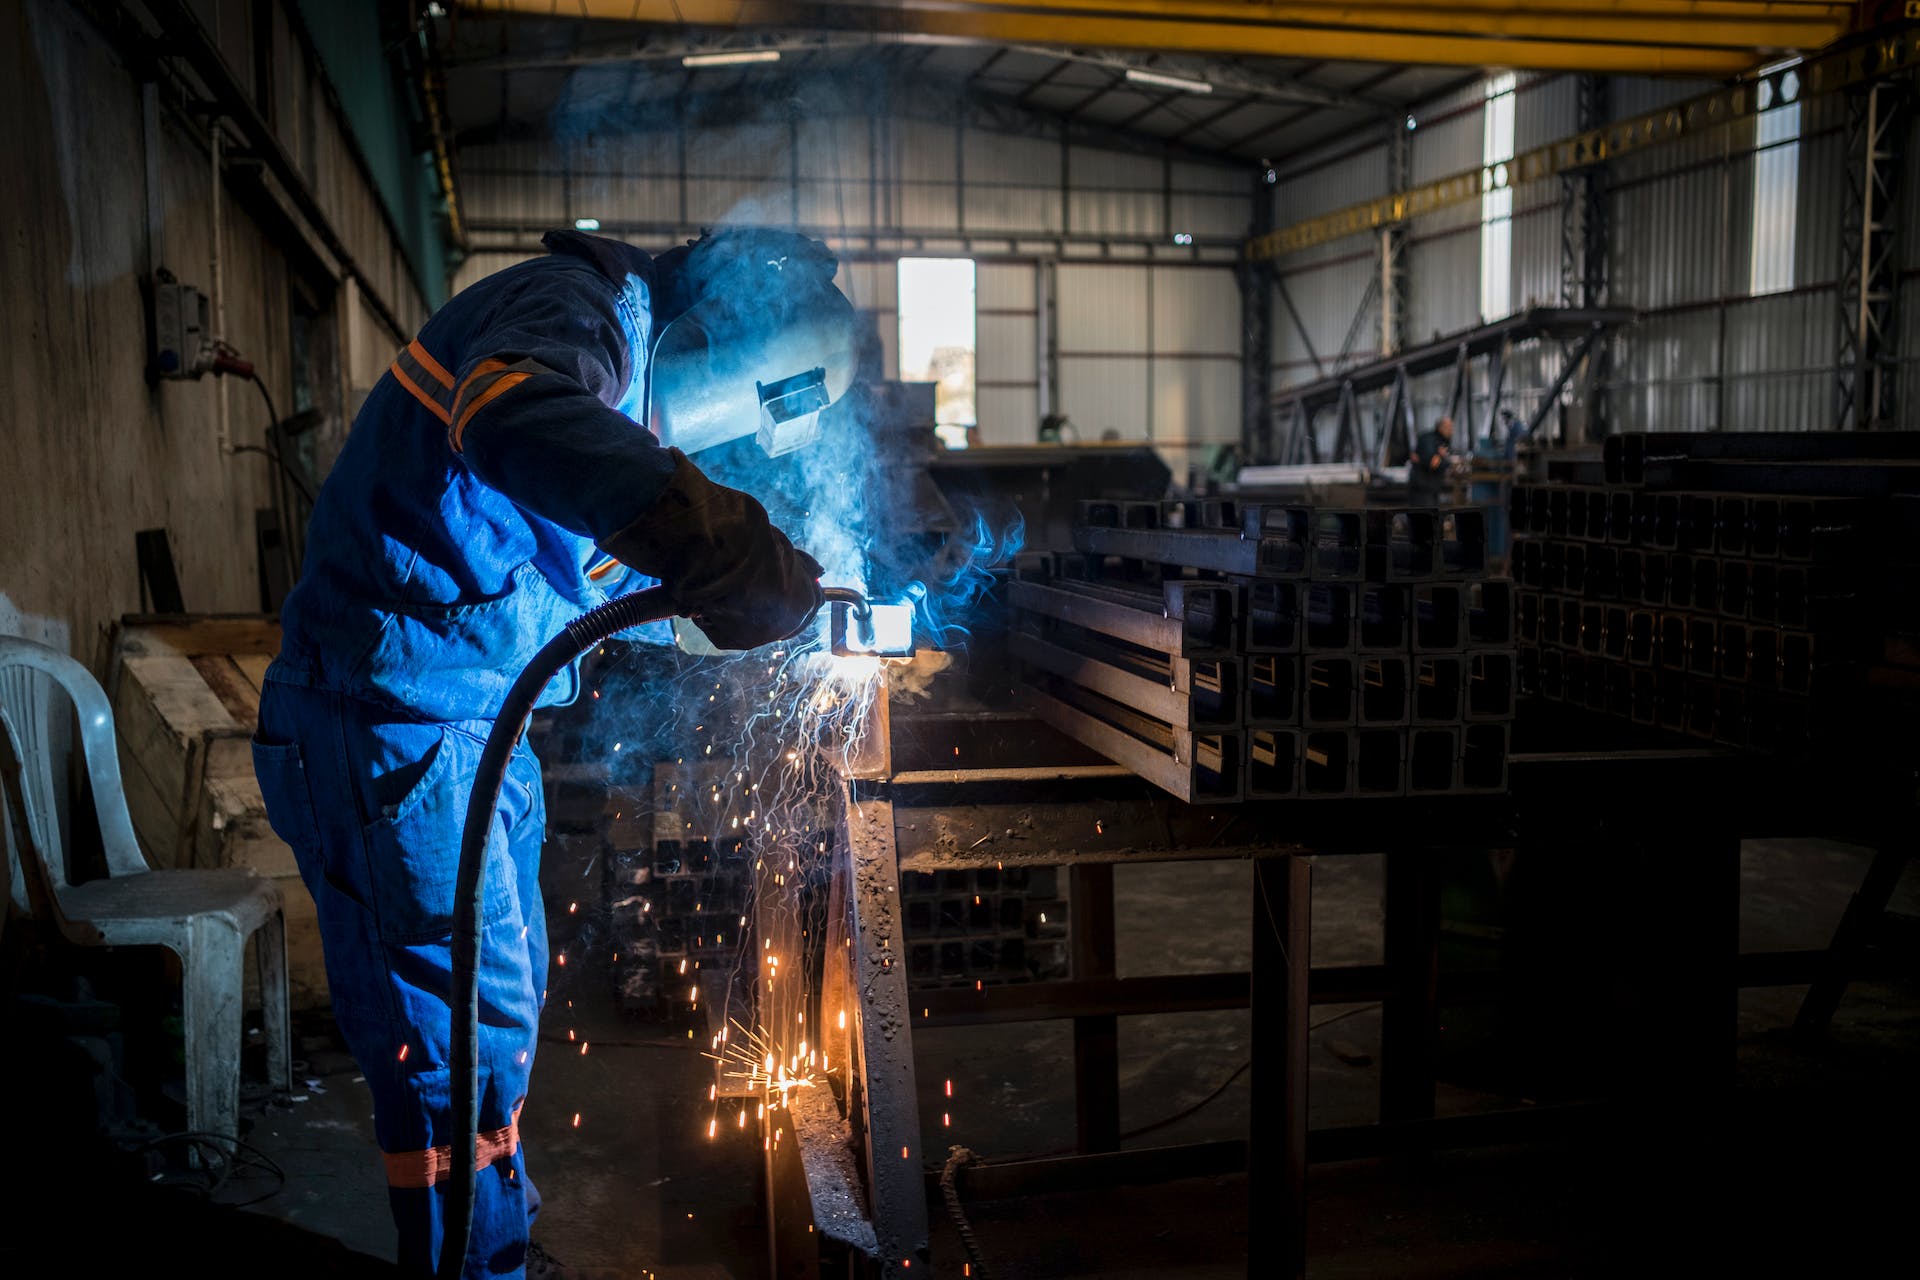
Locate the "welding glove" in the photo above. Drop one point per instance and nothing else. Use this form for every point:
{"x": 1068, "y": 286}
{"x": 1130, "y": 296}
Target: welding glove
{"x": 722, "y": 561}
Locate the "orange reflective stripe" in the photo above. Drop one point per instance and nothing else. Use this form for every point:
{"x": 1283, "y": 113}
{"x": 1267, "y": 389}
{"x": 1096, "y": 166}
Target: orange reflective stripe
{"x": 489, "y": 380}
{"x": 424, "y": 1168}
{"x": 434, "y": 407}
{"x": 433, "y": 367}
{"x": 480, "y": 371}
{"x": 604, "y": 568}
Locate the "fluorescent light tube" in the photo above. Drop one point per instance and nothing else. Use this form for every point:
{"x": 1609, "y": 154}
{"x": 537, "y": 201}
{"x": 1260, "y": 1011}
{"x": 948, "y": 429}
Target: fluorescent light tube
{"x": 1138, "y": 76}
{"x": 730, "y": 59}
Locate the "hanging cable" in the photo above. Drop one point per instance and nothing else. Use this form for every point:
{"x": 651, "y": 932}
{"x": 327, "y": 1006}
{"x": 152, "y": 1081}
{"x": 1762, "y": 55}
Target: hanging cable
{"x": 957, "y": 1159}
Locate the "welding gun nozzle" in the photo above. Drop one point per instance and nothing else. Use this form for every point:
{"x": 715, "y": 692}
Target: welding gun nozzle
{"x": 854, "y": 600}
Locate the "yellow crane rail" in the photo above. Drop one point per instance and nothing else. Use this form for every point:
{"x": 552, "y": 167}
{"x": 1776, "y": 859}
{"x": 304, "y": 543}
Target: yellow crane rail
{"x": 1887, "y": 54}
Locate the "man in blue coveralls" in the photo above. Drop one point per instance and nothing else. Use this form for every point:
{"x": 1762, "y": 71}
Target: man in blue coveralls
{"x": 498, "y": 472}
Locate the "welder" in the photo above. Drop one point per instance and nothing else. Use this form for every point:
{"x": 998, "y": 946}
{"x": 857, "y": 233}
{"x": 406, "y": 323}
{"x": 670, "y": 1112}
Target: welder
{"x": 512, "y": 469}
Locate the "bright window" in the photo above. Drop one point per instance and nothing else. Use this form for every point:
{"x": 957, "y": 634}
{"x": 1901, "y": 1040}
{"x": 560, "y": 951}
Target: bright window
{"x": 937, "y": 338}
{"x": 1776, "y": 191}
{"x": 1496, "y": 206}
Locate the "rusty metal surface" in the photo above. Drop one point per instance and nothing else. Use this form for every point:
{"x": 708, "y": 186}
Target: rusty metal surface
{"x": 823, "y": 1151}
{"x": 949, "y": 825}
{"x": 882, "y": 1094}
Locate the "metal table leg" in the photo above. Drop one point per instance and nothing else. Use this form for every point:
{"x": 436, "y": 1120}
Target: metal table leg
{"x": 1096, "y": 1039}
{"x": 1410, "y": 1020}
{"x": 1855, "y": 930}
{"x": 1277, "y": 1118}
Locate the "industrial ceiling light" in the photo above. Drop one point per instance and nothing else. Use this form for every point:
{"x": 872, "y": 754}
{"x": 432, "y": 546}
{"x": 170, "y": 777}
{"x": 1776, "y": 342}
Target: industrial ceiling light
{"x": 730, "y": 59}
{"x": 586, "y": 224}
{"x": 1138, "y": 76}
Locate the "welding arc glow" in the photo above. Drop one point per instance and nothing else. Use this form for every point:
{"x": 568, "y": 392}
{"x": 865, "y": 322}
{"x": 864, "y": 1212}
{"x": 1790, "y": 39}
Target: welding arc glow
{"x": 771, "y": 733}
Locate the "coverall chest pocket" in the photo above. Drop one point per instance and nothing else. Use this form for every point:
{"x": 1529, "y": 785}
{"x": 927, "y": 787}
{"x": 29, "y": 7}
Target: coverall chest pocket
{"x": 413, "y": 848}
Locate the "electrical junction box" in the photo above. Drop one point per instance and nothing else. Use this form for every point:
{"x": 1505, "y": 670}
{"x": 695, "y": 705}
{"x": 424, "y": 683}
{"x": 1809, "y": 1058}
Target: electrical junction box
{"x": 177, "y": 329}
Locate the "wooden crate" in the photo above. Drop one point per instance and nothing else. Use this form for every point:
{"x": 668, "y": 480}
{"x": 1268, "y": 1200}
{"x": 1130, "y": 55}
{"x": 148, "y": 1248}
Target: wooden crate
{"x": 186, "y": 700}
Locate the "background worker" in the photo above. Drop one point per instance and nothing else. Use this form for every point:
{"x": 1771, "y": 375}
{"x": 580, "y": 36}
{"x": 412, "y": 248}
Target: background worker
{"x": 494, "y": 484}
{"x": 1427, "y": 465}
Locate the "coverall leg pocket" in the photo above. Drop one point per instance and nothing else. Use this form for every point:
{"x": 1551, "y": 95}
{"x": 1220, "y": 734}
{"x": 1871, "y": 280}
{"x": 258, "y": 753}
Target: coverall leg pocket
{"x": 282, "y": 775}
{"x": 413, "y": 847}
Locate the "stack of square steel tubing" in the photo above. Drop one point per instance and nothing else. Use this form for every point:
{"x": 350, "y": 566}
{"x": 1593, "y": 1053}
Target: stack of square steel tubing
{"x": 1732, "y": 587}
{"x": 1229, "y": 652}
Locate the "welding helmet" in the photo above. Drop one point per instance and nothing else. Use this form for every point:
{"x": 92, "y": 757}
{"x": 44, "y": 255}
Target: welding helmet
{"x": 765, "y": 342}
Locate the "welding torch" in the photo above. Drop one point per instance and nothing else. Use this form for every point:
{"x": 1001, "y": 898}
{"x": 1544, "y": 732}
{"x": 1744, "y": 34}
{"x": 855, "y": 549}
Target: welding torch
{"x": 857, "y": 627}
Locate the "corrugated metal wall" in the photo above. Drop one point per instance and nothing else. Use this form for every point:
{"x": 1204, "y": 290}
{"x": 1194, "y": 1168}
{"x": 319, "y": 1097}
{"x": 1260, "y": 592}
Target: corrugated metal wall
{"x": 111, "y": 189}
{"x": 872, "y": 179}
{"x": 1146, "y": 333}
{"x": 1705, "y": 354}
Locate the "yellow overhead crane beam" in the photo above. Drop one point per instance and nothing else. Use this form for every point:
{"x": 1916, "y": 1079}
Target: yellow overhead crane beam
{"x": 1894, "y": 51}
{"x": 1710, "y": 38}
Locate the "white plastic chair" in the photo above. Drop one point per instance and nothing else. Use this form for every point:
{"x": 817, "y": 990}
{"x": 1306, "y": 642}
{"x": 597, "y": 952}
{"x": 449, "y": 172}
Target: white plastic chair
{"x": 203, "y": 916}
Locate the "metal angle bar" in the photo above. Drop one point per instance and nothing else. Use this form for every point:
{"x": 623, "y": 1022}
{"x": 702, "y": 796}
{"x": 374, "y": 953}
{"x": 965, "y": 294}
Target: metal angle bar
{"x": 1567, "y": 367}
{"x": 1181, "y": 612}
{"x": 1299, "y": 325}
{"x": 1156, "y": 766}
{"x": 1497, "y": 385}
{"x": 1346, "y": 443}
{"x": 1459, "y": 389}
{"x": 1359, "y": 322}
{"x": 877, "y": 972}
{"x": 1389, "y": 415}
{"x": 1172, "y": 705}
{"x": 1191, "y": 548}
{"x": 1176, "y": 770}
{"x": 1133, "y": 624}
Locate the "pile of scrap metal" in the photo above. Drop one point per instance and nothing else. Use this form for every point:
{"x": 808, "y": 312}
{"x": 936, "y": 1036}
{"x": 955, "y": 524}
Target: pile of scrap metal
{"x": 1756, "y": 590}
{"x": 1228, "y": 652}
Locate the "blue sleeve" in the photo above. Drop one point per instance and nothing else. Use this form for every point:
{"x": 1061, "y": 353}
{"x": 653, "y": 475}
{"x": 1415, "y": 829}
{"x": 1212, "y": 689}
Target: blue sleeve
{"x": 534, "y": 413}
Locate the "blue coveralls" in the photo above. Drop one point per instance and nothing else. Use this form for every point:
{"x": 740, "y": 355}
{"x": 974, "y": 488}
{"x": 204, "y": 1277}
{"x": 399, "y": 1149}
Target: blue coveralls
{"x": 454, "y": 536}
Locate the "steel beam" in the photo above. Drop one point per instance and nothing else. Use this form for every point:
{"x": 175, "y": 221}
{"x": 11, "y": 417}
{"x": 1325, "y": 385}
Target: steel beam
{"x": 1277, "y": 1119}
{"x": 1096, "y": 1035}
{"x": 878, "y": 1040}
{"x": 1878, "y": 118}
{"x": 1887, "y": 53}
{"x": 1636, "y": 38}
{"x": 1628, "y": 456}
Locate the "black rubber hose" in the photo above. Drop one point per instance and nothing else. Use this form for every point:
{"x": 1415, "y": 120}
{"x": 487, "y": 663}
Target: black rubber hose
{"x": 580, "y": 635}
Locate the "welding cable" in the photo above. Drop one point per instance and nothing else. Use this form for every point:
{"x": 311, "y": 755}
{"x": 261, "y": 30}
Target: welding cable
{"x": 221, "y": 1156}
{"x": 580, "y": 635}
{"x": 957, "y": 1159}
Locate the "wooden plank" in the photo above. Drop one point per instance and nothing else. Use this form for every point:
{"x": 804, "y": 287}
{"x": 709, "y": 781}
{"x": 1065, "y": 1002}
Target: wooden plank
{"x": 231, "y": 828}
{"x": 254, "y": 667}
{"x": 194, "y": 636}
{"x": 155, "y": 825}
{"x": 230, "y": 685}
{"x": 163, "y": 713}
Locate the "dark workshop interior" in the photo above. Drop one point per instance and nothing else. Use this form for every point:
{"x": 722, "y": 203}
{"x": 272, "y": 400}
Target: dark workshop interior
{"x": 1035, "y": 639}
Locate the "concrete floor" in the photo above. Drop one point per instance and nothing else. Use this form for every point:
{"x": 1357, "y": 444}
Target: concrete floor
{"x": 1799, "y": 1164}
